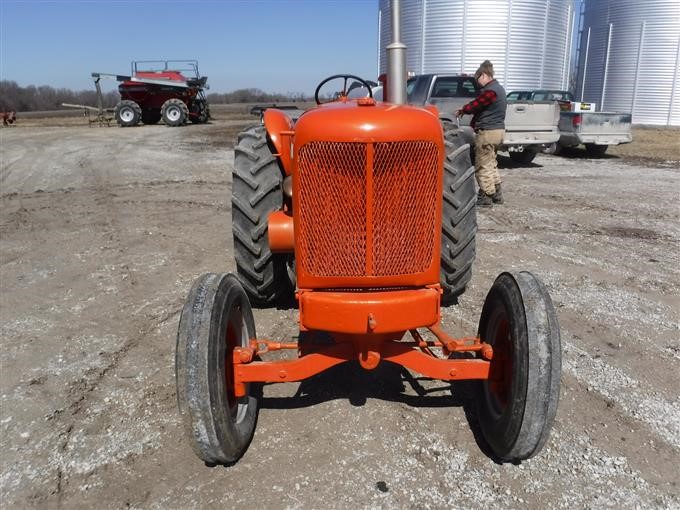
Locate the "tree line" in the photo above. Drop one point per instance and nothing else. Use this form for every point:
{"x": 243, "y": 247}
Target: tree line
{"x": 32, "y": 98}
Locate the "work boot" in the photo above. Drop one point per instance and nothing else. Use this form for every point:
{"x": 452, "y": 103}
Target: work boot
{"x": 497, "y": 197}
{"x": 484, "y": 200}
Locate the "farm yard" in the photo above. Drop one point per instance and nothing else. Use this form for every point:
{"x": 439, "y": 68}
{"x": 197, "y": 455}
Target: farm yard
{"x": 103, "y": 230}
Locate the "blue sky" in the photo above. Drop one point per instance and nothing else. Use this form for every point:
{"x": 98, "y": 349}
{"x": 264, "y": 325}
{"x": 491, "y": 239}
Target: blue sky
{"x": 277, "y": 46}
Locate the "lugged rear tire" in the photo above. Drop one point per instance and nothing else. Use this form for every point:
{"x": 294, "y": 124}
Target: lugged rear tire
{"x": 174, "y": 112}
{"x": 459, "y": 218}
{"x": 256, "y": 192}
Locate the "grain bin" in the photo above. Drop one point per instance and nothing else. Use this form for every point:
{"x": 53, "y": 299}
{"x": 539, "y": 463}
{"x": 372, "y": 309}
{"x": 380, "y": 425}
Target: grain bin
{"x": 528, "y": 41}
{"x": 629, "y": 58}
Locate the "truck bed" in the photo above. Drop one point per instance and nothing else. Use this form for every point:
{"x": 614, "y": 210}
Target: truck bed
{"x": 598, "y": 128}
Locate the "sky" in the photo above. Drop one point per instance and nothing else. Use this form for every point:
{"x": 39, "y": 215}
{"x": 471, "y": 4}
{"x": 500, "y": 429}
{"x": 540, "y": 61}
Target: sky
{"x": 274, "y": 45}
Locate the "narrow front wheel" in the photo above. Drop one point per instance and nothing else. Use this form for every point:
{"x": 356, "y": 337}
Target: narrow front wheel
{"x": 215, "y": 319}
{"x": 516, "y": 406}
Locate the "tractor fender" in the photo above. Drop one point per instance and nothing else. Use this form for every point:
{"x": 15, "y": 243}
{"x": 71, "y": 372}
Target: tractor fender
{"x": 279, "y": 127}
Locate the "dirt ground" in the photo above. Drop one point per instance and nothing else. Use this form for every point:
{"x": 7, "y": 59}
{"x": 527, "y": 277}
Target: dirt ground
{"x": 103, "y": 230}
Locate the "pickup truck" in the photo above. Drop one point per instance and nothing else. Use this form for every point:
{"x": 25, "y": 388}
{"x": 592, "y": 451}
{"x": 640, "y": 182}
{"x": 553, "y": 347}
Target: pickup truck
{"x": 530, "y": 126}
{"x": 596, "y": 130}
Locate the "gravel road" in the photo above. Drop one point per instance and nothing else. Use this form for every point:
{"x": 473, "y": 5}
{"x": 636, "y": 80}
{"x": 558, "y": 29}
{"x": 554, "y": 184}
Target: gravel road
{"x": 103, "y": 230}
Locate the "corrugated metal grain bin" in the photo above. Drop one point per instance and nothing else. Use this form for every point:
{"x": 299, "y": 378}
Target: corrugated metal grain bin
{"x": 629, "y": 58}
{"x": 528, "y": 41}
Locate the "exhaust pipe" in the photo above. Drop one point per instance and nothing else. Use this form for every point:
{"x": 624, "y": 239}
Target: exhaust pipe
{"x": 396, "y": 60}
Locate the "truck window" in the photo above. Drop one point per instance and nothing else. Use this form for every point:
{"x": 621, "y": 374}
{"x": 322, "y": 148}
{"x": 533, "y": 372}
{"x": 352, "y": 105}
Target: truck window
{"x": 445, "y": 87}
{"x": 467, "y": 88}
{"x": 417, "y": 88}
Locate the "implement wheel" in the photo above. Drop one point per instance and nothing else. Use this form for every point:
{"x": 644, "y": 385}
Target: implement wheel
{"x": 127, "y": 113}
{"x": 215, "y": 319}
{"x": 174, "y": 112}
{"x": 459, "y": 217}
{"x": 516, "y": 406}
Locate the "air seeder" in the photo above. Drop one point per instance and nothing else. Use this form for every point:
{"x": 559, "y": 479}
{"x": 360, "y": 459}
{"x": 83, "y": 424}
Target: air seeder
{"x": 370, "y": 208}
{"x": 171, "y": 90}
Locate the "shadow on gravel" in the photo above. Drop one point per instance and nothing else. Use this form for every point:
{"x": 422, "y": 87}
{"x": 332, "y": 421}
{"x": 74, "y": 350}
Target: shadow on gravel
{"x": 387, "y": 382}
{"x": 504, "y": 162}
{"x": 581, "y": 153}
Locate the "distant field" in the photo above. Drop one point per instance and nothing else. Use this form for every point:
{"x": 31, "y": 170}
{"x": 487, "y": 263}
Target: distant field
{"x": 649, "y": 142}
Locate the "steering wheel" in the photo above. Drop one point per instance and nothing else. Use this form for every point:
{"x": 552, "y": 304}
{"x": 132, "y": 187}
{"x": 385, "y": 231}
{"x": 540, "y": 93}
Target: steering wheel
{"x": 344, "y": 86}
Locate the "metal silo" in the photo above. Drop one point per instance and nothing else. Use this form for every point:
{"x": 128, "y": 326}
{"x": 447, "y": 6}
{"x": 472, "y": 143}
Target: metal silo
{"x": 528, "y": 41}
{"x": 629, "y": 57}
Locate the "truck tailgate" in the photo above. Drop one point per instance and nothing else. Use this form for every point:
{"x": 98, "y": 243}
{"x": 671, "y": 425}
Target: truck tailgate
{"x": 531, "y": 122}
{"x": 602, "y": 128}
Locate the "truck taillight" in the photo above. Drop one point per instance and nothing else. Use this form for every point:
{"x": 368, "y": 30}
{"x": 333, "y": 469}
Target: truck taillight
{"x": 576, "y": 120}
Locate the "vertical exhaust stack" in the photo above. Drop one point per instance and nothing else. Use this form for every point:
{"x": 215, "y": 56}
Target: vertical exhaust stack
{"x": 396, "y": 60}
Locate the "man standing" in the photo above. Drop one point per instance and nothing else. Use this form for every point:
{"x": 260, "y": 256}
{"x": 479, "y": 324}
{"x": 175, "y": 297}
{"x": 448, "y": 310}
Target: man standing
{"x": 488, "y": 122}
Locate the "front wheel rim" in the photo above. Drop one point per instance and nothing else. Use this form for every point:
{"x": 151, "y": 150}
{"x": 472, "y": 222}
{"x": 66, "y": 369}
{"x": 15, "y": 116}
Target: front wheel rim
{"x": 499, "y": 384}
{"x": 236, "y": 336}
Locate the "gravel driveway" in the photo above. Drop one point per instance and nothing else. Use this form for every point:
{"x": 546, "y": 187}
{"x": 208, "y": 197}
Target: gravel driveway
{"x": 103, "y": 230}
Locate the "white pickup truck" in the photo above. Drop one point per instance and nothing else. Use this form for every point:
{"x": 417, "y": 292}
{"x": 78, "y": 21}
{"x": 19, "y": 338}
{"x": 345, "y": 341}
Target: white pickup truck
{"x": 530, "y": 126}
{"x": 596, "y": 130}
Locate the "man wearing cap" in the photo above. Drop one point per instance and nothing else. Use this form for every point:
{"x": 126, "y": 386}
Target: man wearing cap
{"x": 488, "y": 121}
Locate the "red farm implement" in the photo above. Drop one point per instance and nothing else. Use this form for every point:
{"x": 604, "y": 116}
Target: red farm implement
{"x": 171, "y": 90}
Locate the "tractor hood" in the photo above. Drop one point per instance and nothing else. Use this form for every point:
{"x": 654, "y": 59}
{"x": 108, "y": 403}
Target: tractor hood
{"x": 367, "y": 121}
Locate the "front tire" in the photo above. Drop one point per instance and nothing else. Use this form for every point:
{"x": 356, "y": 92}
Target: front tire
{"x": 459, "y": 218}
{"x": 127, "y": 113}
{"x": 516, "y": 406}
{"x": 174, "y": 112}
{"x": 215, "y": 319}
{"x": 256, "y": 193}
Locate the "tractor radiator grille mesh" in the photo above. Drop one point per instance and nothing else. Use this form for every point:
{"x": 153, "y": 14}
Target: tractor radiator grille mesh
{"x": 404, "y": 216}
{"x": 367, "y": 209}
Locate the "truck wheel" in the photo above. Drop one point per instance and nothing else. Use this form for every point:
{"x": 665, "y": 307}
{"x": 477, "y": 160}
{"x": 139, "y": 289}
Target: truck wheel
{"x": 595, "y": 151}
{"x": 215, "y": 319}
{"x": 459, "y": 218}
{"x": 174, "y": 112}
{"x": 256, "y": 192}
{"x": 523, "y": 158}
{"x": 554, "y": 148}
{"x": 516, "y": 406}
{"x": 151, "y": 117}
{"x": 127, "y": 113}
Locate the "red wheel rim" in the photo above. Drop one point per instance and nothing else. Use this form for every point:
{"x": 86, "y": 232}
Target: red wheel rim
{"x": 500, "y": 376}
{"x": 234, "y": 337}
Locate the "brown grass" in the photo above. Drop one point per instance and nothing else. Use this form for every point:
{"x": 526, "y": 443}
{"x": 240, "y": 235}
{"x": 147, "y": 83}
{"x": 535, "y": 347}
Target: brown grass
{"x": 653, "y": 143}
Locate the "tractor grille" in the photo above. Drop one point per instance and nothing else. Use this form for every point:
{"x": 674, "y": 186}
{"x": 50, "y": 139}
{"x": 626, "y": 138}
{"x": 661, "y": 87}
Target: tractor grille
{"x": 367, "y": 209}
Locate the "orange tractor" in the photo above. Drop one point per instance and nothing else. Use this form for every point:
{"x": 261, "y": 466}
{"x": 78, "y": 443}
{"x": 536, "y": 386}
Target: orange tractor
{"x": 368, "y": 208}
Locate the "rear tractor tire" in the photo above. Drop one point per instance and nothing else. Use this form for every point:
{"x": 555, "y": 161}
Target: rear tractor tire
{"x": 256, "y": 193}
{"x": 516, "y": 406}
{"x": 215, "y": 319}
{"x": 127, "y": 113}
{"x": 174, "y": 112}
{"x": 459, "y": 218}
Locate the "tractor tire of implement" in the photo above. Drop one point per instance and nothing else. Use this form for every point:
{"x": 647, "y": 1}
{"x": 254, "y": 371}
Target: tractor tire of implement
{"x": 127, "y": 113}
{"x": 459, "y": 218}
{"x": 174, "y": 112}
{"x": 216, "y": 318}
{"x": 516, "y": 406}
{"x": 522, "y": 158}
{"x": 596, "y": 151}
{"x": 150, "y": 117}
{"x": 256, "y": 192}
